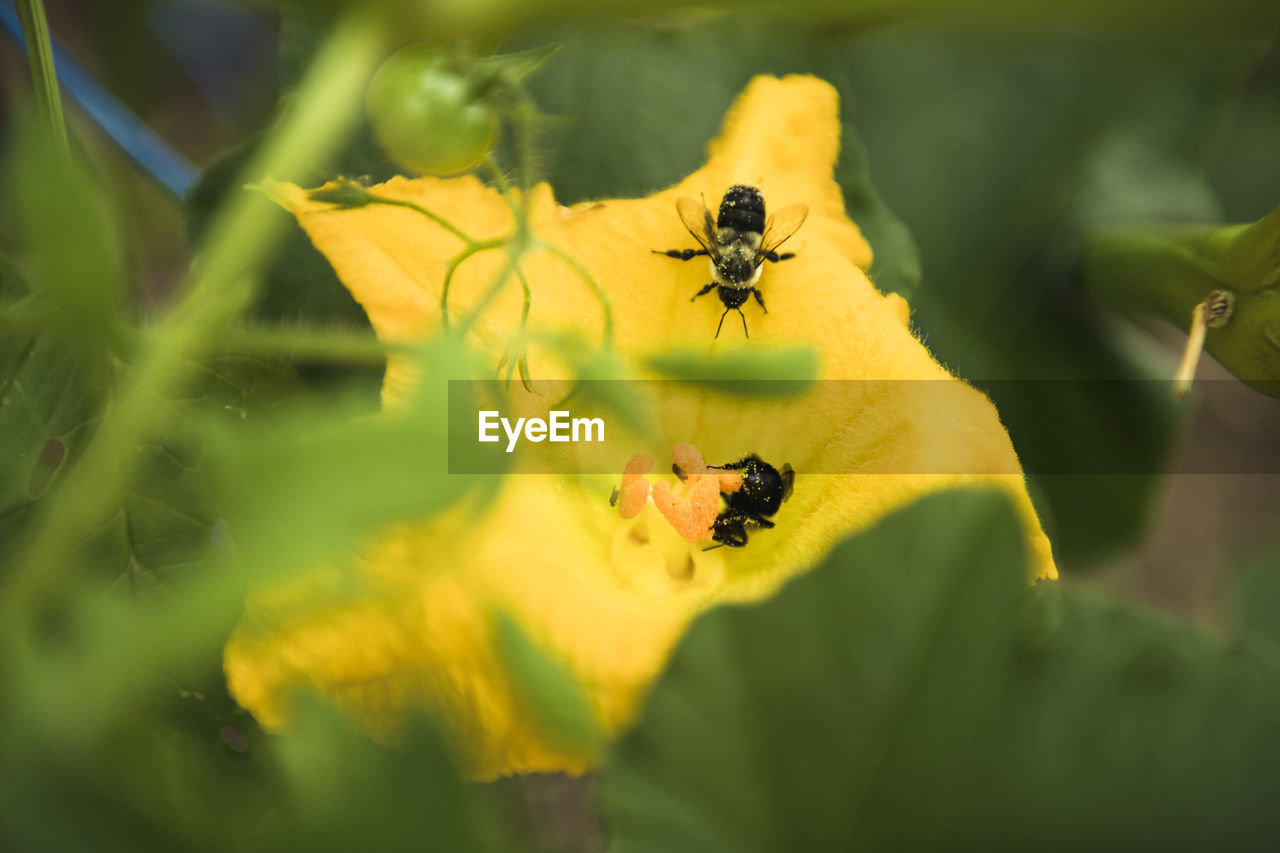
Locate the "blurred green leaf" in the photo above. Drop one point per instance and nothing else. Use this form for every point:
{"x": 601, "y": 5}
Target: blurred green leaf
{"x": 1247, "y": 191}
{"x": 912, "y": 694}
{"x": 1157, "y": 269}
{"x": 1255, "y": 600}
{"x": 754, "y": 371}
{"x": 165, "y": 520}
{"x": 519, "y": 65}
{"x": 50, "y": 395}
{"x": 63, "y": 220}
{"x": 299, "y": 285}
{"x": 149, "y": 780}
{"x": 347, "y": 793}
{"x": 240, "y": 387}
{"x": 1038, "y": 134}
{"x": 93, "y": 730}
{"x": 548, "y": 692}
{"x": 314, "y": 481}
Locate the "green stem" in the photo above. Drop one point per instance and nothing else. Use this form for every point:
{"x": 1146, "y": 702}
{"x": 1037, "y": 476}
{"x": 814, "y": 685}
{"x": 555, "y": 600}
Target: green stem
{"x": 592, "y": 283}
{"x": 44, "y": 78}
{"x": 504, "y": 189}
{"x": 528, "y": 299}
{"x": 456, "y": 262}
{"x": 1169, "y": 270}
{"x": 522, "y": 363}
{"x": 220, "y": 285}
{"x": 432, "y": 215}
{"x": 525, "y": 114}
{"x": 495, "y": 287}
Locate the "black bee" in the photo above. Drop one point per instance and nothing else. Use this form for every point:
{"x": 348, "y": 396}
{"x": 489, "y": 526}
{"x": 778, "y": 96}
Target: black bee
{"x": 764, "y": 488}
{"x": 737, "y": 243}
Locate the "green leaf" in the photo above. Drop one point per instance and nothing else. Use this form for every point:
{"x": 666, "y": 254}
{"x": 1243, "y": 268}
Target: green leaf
{"x": 50, "y": 395}
{"x": 1256, "y": 597}
{"x": 167, "y": 518}
{"x": 1078, "y": 127}
{"x": 754, "y": 371}
{"x": 64, "y": 222}
{"x": 519, "y": 65}
{"x": 343, "y": 792}
{"x": 548, "y": 692}
{"x": 1155, "y": 269}
{"x": 912, "y": 694}
{"x": 300, "y": 285}
{"x": 241, "y": 387}
{"x": 1247, "y": 191}
{"x": 319, "y": 477}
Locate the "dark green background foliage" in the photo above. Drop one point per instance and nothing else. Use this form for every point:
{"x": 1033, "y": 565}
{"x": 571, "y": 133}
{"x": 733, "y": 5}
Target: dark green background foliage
{"x": 910, "y": 692}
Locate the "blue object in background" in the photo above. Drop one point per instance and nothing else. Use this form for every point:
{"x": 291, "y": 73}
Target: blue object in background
{"x": 143, "y": 145}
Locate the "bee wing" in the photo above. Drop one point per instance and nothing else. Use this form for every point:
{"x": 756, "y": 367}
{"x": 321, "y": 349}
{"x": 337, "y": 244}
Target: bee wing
{"x": 697, "y": 219}
{"x": 788, "y": 480}
{"x": 779, "y": 227}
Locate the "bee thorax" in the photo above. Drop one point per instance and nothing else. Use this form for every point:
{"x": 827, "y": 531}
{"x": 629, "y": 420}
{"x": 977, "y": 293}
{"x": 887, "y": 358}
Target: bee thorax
{"x": 737, "y": 266}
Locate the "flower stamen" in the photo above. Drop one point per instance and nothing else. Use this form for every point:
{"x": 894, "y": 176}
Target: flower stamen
{"x": 692, "y": 514}
{"x": 635, "y": 487}
{"x": 1212, "y": 313}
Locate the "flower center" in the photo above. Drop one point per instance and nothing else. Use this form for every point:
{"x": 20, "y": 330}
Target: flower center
{"x": 669, "y": 526}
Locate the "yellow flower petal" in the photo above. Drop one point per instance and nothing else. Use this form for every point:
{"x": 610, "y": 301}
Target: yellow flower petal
{"x": 610, "y": 596}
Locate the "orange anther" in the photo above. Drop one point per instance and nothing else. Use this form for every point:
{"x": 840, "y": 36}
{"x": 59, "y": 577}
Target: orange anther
{"x": 730, "y": 481}
{"x": 635, "y": 488}
{"x": 688, "y": 459}
{"x": 692, "y": 517}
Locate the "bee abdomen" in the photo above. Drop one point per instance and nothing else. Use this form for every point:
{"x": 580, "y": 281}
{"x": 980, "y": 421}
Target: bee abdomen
{"x": 742, "y": 209}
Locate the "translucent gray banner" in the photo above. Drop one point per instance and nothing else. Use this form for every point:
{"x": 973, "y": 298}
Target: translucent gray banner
{"x": 839, "y": 427}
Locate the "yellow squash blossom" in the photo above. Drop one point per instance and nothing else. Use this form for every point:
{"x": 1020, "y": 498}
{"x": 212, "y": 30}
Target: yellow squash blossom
{"x": 607, "y": 596}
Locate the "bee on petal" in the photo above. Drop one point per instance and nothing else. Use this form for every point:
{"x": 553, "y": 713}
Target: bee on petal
{"x": 737, "y": 242}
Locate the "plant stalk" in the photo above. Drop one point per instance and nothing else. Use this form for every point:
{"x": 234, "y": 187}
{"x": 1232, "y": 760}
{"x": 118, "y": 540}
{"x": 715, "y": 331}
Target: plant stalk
{"x": 44, "y": 77}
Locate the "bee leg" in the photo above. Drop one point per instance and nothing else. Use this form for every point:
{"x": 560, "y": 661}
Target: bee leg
{"x": 706, "y": 289}
{"x": 744, "y": 324}
{"x": 755, "y": 291}
{"x": 681, "y": 254}
{"x": 775, "y": 257}
{"x": 722, "y": 316}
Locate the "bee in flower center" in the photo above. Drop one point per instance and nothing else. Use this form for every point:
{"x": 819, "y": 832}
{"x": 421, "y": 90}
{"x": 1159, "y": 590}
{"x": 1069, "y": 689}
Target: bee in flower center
{"x": 760, "y": 496}
{"x": 737, "y": 243}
